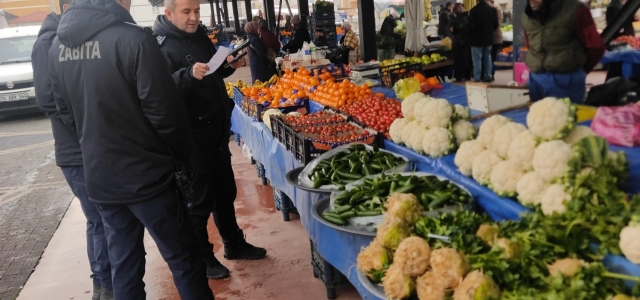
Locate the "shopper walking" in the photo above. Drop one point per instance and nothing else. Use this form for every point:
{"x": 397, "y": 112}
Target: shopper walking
{"x": 483, "y": 21}
{"x": 444, "y": 20}
{"x": 209, "y": 109}
{"x": 559, "y": 65}
{"x": 261, "y": 65}
{"x": 111, "y": 85}
{"x": 299, "y": 35}
{"x": 497, "y": 39}
{"x": 69, "y": 157}
{"x": 461, "y": 49}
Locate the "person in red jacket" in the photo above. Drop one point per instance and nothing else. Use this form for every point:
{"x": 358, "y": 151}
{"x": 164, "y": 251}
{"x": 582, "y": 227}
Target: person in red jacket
{"x": 271, "y": 41}
{"x": 564, "y": 45}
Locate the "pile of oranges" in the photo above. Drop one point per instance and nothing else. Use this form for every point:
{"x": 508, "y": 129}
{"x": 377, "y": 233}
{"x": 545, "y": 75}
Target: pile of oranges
{"x": 317, "y": 85}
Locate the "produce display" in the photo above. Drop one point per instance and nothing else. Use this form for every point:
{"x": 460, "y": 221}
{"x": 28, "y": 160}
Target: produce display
{"x": 424, "y": 59}
{"x": 339, "y": 94}
{"x": 314, "y": 119}
{"x": 376, "y": 112}
{"x": 561, "y": 170}
{"x": 352, "y": 165}
{"x": 632, "y": 41}
{"x": 368, "y": 198}
{"x": 274, "y": 93}
{"x": 230, "y": 85}
{"x": 464, "y": 256}
{"x": 507, "y": 28}
{"x": 431, "y": 126}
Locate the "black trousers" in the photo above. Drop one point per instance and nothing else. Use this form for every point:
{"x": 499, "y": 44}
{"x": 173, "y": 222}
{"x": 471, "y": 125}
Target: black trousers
{"x": 463, "y": 65}
{"x": 166, "y": 220}
{"x": 214, "y": 194}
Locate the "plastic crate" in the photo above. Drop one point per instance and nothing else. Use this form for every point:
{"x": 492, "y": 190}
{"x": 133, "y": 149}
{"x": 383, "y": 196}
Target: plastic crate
{"x": 254, "y": 110}
{"x": 283, "y": 204}
{"x": 238, "y": 96}
{"x": 389, "y": 75}
{"x": 261, "y": 172}
{"x": 326, "y": 272}
{"x": 324, "y": 9}
{"x": 323, "y": 23}
{"x": 327, "y": 15}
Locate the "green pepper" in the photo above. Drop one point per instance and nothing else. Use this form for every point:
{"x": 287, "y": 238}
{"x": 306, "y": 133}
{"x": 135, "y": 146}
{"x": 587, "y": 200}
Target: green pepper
{"x": 334, "y": 219}
{"x": 343, "y": 196}
{"x": 369, "y": 213}
{"x": 436, "y": 203}
{"x": 349, "y": 175}
{"x": 340, "y": 209}
{"x": 366, "y": 169}
{"x": 405, "y": 189}
{"x": 389, "y": 164}
{"x": 376, "y": 166}
{"x": 318, "y": 182}
{"x": 348, "y": 214}
{"x": 393, "y": 187}
{"x": 356, "y": 168}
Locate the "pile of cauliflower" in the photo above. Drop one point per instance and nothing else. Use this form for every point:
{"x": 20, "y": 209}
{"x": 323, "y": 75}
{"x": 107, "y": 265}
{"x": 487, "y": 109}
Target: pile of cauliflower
{"x": 533, "y": 164}
{"x": 407, "y": 265}
{"x": 431, "y": 126}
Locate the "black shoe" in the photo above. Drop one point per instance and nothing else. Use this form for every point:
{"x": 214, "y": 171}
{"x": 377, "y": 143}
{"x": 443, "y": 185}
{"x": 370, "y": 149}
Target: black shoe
{"x": 243, "y": 250}
{"x": 215, "y": 269}
{"x": 97, "y": 292}
{"x": 107, "y": 295}
{"x": 487, "y": 80}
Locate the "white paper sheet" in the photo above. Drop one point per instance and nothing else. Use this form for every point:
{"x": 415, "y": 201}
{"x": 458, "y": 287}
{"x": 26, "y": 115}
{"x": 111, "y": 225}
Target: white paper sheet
{"x": 218, "y": 59}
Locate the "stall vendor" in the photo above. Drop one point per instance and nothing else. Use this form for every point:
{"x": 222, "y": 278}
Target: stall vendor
{"x": 350, "y": 39}
{"x": 559, "y": 63}
{"x": 298, "y": 37}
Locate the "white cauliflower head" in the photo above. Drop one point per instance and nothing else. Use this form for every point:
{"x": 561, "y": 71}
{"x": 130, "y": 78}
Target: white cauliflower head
{"x": 436, "y": 113}
{"x": 630, "y": 242}
{"x": 418, "y": 107}
{"x": 395, "y": 130}
{"x": 482, "y": 166}
{"x": 551, "y": 159}
{"x": 503, "y": 137}
{"x": 488, "y": 129}
{"x": 504, "y": 178}
{"x": 531, "y": 188}
{"x": 461, "y": 112}
{"x": 465, "y": 155}
{"x": 463, "y": 130}
{"x": 578, "y": 133}
{"x": 416, "y": 138}
{"x": 437, "y": 142}
{"x": 554, "y": 200}
{"x": 409, "y": 103}
{"x": 408, "y": 129}
{"x": 522, "y": 148}
{"x": 551, "y": 118}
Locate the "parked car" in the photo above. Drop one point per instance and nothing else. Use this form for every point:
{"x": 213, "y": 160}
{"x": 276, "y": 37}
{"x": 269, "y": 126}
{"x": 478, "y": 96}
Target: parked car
{"x": 17, "y": 93}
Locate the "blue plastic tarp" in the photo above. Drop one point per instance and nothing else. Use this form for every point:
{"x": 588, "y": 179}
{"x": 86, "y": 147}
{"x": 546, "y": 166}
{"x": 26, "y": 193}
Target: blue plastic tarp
{"x": 629, "y": 61}
{"x": 341, "y": 249}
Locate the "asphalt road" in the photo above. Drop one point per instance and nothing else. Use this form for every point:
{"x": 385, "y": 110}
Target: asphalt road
{"x": 34, "y": 197}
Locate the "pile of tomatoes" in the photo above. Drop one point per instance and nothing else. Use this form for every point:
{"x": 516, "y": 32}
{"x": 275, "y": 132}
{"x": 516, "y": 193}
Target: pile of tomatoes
{"x": 314, "y": 119}
{"x": 376, "y": 112}
{"x": 343, "y": 138}
{"x": 629, "y": 40}
{"x": 329, "y": 130}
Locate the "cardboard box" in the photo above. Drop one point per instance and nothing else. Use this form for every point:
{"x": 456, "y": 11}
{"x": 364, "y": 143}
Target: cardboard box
{"x": 489, "y": 98}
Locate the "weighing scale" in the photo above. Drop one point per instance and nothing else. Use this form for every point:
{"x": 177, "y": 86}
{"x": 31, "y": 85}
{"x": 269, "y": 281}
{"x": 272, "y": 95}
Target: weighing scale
{"x": 366, "y": 70}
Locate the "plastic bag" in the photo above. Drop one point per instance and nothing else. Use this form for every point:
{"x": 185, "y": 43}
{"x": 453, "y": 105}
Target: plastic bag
{"x": 406, "y": 87}
{"x": 246, "y": 151}
{"x": 370, "y": 224}
{"x": 304, "y": 180}
{"x": 620, "y": 125}
{"x": 446, "y": 43}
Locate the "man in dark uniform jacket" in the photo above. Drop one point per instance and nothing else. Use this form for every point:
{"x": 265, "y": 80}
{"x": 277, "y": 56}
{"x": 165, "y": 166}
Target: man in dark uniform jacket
{"x": 187, "y": 50}
{"x": 110, "y": 85}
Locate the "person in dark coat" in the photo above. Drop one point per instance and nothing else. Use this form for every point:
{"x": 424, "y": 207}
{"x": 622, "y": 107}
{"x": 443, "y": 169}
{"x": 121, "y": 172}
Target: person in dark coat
{"x": 69, "y": 158}
{"x": 388, "y": 25}
{"x": 299, "y": 35}
{"x": 111, "y": 85}
{"x": 444, "y": 21}
{"x": 262, "y": 68}
{"x": 209, "y": 109}
{"x": 483, "y": 21}
{"x": 271, "y": 42}
{"x": 612, "y": 10}
{"x": 461, "y": 48}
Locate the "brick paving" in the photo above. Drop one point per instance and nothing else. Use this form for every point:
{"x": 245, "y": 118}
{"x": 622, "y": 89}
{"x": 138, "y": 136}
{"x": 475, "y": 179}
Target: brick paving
{"x": 33, "y": 198}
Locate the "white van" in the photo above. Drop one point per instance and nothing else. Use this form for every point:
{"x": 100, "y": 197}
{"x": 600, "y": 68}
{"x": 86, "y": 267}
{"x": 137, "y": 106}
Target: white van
{"x": 17, "y": 93}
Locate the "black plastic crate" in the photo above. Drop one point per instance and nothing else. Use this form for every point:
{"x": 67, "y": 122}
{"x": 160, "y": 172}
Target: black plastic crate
{"x": 390, "y": 74}
{"x": 255, "y": 110}
{"x": 324, "y": 9}
{"x": 283, "y": 203}
{"x": 329, "y": 15}
{"x": 320, "y": 22}
{"x": 326, "y": 272}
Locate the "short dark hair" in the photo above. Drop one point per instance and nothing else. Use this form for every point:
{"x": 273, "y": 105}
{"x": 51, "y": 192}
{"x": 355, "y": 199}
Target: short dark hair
{"x": 448, "y": 4}
{"x": 62, "y": 3}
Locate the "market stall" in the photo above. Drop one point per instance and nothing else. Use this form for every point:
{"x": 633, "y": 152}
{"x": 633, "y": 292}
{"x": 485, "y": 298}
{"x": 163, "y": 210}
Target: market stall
{"x": 340, "y": 248}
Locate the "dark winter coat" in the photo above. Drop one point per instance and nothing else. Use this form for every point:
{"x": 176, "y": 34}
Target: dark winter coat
{"x": 483, "y": 21}
{"x": 111, "y": 84}
{"x": 299, "y": 35}
{"x": 444, "y": 23}
{"x": 387, "y": 26}
{"x": 68, "y": 153}
{"x": 460, "y": 26}
{"x": 261, "y": 67}
{"x": 207, "y": 101}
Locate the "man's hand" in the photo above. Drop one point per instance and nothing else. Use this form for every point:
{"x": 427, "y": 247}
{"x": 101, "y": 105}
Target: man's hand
{"x": 199, "y": 70}
{"x": 234, "y": 64}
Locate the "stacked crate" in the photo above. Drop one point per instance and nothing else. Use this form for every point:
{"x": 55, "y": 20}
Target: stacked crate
{"x": 324, "y": 18}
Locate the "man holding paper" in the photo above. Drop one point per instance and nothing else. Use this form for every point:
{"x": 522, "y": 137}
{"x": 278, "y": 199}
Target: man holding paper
{"x": 198, "y": 70}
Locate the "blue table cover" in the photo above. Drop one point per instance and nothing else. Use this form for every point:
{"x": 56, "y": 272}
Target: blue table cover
{"x": 629, "y": 59}
{"x": 341, "y": 249}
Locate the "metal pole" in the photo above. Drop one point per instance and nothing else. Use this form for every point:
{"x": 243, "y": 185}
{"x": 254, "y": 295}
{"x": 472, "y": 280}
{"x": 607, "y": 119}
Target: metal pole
{"x": 219, "y": 20}
{"x": 248, "y": 8}
{"x": 270, "y": 14}
{"x": 236, "y": 16}
{"x": 225, "y": 13}
{"x": 303, "y": 10}
{"x": 212, "y": 17}
{"x": 366, "y": 18}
